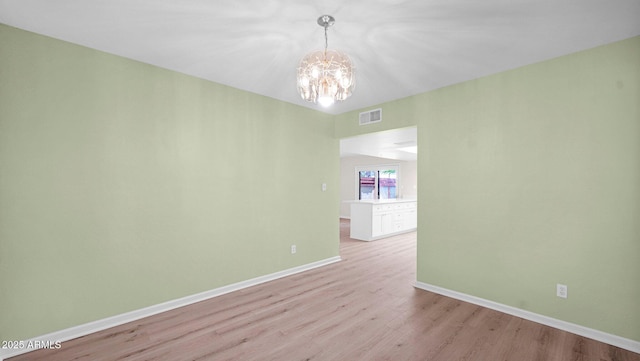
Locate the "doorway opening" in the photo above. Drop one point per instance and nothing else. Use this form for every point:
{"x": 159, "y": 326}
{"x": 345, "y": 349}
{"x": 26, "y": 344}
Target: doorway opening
{"x": 379, "y": 168}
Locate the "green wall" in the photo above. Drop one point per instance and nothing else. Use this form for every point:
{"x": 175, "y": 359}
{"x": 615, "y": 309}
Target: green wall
{"x": 396, "y": 114}
{"x": 529, "y": 178}
{"x": 123, "y": 185}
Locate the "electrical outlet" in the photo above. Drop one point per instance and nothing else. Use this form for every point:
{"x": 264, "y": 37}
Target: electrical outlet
{"x": 293, "y": 249}
{"x": 562, "y": 291}
{"x": 324, "y": 187}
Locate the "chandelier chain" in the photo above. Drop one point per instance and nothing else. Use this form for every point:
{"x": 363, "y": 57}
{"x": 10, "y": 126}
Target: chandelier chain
{"x": 326, "y": 39}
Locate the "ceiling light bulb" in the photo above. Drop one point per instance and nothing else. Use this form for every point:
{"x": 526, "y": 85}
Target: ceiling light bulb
{"x": 325, "y": 100}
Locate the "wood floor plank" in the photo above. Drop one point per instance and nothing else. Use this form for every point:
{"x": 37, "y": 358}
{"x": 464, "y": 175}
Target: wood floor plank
{"x": 362, "y": 308}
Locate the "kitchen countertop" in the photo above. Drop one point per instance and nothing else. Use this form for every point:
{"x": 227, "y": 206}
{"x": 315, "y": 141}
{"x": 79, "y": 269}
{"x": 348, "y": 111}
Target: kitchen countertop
{"x": 382, "y": 201}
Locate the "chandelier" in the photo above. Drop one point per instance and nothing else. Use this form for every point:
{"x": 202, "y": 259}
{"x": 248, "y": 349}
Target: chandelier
{"x": 325, "y": 76}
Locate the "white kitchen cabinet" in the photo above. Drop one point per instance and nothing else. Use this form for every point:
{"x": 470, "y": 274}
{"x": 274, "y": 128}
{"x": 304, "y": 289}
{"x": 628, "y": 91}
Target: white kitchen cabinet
{"x": 371, "y": 220}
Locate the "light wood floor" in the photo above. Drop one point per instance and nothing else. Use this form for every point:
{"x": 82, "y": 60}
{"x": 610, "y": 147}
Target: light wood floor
{"x": 363, "y": 308}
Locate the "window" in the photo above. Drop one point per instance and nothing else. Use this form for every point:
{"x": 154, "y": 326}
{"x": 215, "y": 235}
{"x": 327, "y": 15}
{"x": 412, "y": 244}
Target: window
{"x": 367, "y": 181}
{"x": 387, "y": 184}
{"x": 377, "y": 182}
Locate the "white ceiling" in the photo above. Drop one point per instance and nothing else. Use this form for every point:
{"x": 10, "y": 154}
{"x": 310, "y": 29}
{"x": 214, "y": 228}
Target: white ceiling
{"x": 400, "y": 47}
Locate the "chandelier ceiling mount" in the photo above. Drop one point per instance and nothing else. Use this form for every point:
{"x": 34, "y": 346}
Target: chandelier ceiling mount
{"x": 326, "y": 21}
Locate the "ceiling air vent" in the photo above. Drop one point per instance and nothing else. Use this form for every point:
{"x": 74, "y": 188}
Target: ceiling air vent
{"x": 372, "y": 116}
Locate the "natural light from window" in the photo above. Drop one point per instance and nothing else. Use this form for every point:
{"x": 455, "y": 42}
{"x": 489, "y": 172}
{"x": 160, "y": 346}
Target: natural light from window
{"x": 377, "y": 182}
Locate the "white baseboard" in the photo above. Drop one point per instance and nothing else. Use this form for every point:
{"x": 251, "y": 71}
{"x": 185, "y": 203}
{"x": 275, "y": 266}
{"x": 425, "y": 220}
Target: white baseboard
{"x": 625, "y": 343}
{"x": 99, "y": 325}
